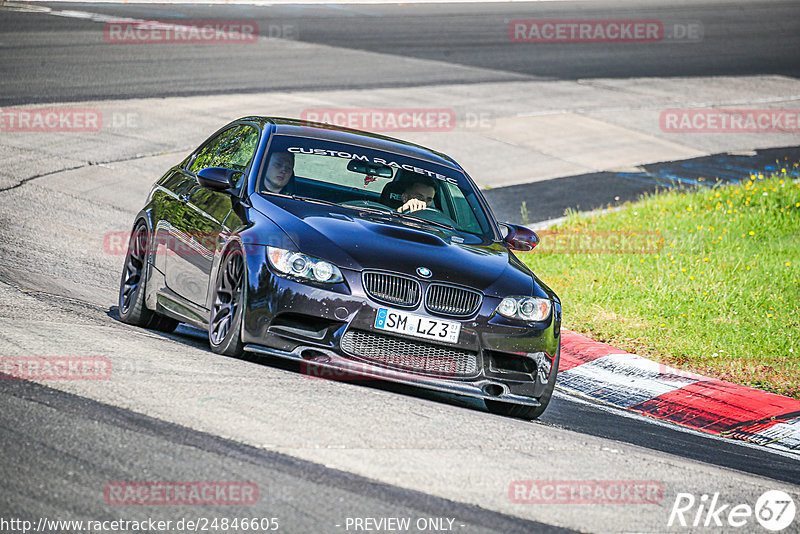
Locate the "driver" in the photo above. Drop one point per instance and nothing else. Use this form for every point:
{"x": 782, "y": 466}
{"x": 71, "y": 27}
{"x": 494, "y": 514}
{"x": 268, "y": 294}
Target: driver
{"x": 279, "y": 176}
{"x": 418, "y": 194}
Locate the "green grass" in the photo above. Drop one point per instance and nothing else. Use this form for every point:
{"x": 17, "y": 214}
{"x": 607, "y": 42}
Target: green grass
{"x": 706, "y": 280}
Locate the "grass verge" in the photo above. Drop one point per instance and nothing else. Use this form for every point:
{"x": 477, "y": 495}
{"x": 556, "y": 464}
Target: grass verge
{"x": 706, "y": 280}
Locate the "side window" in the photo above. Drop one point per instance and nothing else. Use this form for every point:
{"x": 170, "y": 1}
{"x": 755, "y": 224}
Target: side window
{"x": 238, "y": 149}
{"x": 466, "y": 211}
{"x": 206, "y": 157}
{"x": 233, "y": 149}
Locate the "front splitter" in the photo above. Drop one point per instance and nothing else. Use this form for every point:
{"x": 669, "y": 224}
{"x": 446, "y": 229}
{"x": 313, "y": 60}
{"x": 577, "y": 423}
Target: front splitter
{"x": 327, "y": 359}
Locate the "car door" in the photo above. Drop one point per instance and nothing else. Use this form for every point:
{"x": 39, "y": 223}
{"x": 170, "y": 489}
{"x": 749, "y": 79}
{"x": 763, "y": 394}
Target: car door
{"x": 201, "y": 225}
{"x": 166, "y": 207}
{"x": 184, "y": 261}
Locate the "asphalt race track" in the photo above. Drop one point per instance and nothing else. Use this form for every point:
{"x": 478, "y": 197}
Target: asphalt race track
{"x": 60, "y": 59}
{"x": 322, "y": 453}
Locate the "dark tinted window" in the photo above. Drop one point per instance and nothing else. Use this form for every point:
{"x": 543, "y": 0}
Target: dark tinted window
{"x": 206, "y": 155}
{"x": 238, "y": 149}
{"x": 233, "y": 149}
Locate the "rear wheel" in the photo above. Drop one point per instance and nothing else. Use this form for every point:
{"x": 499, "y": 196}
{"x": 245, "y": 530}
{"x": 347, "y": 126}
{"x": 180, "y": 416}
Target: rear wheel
{"x": 528, "y": 412}
{"x": 225, "y": 324}
{"x": 132, "y": 309}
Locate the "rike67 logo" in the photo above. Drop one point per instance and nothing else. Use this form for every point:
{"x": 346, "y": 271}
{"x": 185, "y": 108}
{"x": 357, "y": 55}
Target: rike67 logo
{"x": 774, "y": 510}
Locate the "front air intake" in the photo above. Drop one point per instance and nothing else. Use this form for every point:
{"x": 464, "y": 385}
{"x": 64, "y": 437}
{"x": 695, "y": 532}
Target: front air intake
{"x": 408, "y": 355}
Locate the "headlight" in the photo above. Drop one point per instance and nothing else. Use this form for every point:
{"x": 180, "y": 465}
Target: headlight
{"x": 525, "y": 308}
{"x": 299, "y": 265}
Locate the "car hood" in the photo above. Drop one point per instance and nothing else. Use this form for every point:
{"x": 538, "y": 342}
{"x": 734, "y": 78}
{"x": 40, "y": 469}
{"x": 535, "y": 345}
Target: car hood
{"x": 361, "y": 239}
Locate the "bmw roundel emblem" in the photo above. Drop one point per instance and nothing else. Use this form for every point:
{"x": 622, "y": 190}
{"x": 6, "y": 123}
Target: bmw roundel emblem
{"x": 424, "y": 272}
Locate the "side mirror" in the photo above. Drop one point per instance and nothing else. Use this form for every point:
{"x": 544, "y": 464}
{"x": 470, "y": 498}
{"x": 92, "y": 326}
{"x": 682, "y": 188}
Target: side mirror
{"x": 520, "y": 238}
{"x": 218, "y": 178}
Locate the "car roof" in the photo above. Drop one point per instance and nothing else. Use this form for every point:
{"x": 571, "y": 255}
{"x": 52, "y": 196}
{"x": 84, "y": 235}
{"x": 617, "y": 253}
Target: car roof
{"x": 338, "y": 134}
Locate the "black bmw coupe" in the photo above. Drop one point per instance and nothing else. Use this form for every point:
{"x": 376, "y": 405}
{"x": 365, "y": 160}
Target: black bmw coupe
{"x": 347, "y": 251}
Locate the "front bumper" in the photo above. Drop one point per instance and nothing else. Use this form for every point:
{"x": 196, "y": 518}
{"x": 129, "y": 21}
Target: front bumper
{"x": 344, "y": 368}
{"x": 296, "y": 321}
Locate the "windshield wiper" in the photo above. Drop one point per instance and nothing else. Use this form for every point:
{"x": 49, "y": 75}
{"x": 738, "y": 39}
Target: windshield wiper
{"x": 434, "y": 223}
{"x": 376, "y": 210}
{"x": 317, "y": 200}
{"x": 338, "y": 205}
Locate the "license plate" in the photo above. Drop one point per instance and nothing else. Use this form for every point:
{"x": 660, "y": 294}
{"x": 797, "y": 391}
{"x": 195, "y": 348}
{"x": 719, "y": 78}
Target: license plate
{"x": 417, "y": 325}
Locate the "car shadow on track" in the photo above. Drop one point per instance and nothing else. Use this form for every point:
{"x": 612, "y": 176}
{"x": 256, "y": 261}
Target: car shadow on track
{"x": 198, "y": 338}
{"x": 563, "y": 412}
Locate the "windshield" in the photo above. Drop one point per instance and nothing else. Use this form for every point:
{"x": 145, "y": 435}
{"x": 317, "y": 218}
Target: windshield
{"x": 366, "y": 179}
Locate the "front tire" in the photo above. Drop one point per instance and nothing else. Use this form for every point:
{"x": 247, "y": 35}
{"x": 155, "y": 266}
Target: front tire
{"x": 225, "y": 322}
{"x": 521, "y": 411}
{"x": 132, "y": 309}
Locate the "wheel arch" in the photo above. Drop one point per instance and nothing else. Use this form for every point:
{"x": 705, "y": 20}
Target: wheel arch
{"x": 253, "y": 238}
{"x": 146, "y": 216}
{"x": 235, "y": 241}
